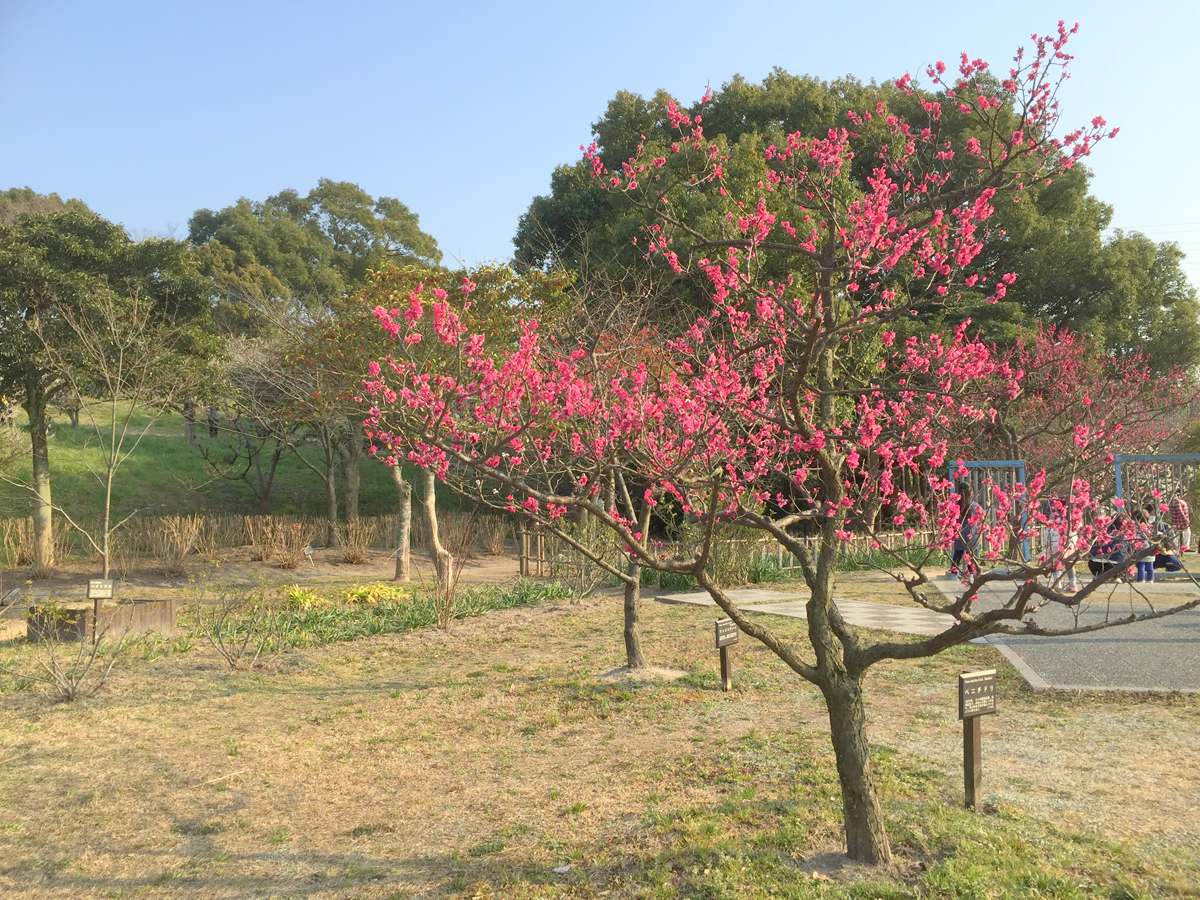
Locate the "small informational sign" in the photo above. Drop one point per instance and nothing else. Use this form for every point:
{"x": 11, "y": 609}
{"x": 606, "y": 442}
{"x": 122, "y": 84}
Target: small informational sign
{"x": 727, "y": 633}
{"x": 976, "y": 693}
{"x": 100, "y": 589}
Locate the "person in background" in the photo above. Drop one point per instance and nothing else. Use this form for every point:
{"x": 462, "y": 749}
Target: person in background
{"x": 1166, "y": 558}
{"x": 968, "y": 530}
{"x": 1112, "y": 550}
{"x": 1181, "y": 521}
{"x": 1066, "y": 580}
{"x": 1144, "y": 528}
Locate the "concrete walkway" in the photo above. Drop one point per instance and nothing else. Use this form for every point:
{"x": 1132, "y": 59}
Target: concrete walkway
{"x": 904, "y": 619}
{"x": 1161, "y": 655}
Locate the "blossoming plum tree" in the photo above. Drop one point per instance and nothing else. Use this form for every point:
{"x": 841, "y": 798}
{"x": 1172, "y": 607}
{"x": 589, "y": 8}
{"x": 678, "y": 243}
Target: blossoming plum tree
{"x": 790, "y": 406}
{"x": 1066, "y": 383}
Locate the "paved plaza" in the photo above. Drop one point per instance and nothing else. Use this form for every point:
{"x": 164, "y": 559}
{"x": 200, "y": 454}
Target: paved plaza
{"x": 1159, "y": 655}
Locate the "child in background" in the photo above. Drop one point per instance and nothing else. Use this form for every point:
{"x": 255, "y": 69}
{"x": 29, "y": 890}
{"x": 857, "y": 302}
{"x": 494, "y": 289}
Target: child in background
{"x": 1112, "y": 550}
{"x": 1066, "y": 580}
{"x": 1143, "y": 525}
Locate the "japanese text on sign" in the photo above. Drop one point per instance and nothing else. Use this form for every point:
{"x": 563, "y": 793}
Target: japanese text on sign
{"x": 100, "y": 589}
{"x": 727, "y": 633}
{"x": 976, "y": 693}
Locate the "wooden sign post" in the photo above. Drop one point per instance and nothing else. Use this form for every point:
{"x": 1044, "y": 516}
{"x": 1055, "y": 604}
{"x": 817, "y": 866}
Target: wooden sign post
{"x": 98, "y": 590}
{"x": 727, "y": 634}
{"x": 976, "y": 698}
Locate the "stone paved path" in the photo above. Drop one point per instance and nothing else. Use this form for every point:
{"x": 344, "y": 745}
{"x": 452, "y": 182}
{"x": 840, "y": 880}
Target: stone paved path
{"x": 1161, "y": 655}
{"x": 904, "y": 619}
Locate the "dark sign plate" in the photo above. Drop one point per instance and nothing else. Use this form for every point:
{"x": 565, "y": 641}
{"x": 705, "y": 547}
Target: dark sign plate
{"x": 976, "y": 693}
{"x": 100, "y": 589}
{"x": 727, "y": 633}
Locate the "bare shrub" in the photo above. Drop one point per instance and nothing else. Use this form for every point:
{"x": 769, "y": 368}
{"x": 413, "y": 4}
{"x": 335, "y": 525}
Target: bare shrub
{"x": 357, "y": 538}
{"x": 172, "y": 539}
{"x": 293, "y": 543}
{"x": 261, "y": 533}
{"x": 383, "y": 531}
{"x": 569, "y": 553}
{"x": 494, "y": 531}
{"x": 242, "y": 622}
{"x": 419, "y": 533}
{"x": 734, "y": 552}
{"x": 72, "y": 670}
{"x": 221, "y": 533}
{"x": 122, "y": 552}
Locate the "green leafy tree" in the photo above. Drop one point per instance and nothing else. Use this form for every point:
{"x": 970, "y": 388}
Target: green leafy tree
{"x": 51, "y": 262}
{"x": 15, "y": 201}
{"x": 291, "y": 261}
{"x": 302, "y": 251}
{"x": 1126, "y": 292}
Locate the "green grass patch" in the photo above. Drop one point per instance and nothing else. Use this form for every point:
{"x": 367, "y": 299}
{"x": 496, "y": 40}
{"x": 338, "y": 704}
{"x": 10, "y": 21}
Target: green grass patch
{"x": 165, "y": 475}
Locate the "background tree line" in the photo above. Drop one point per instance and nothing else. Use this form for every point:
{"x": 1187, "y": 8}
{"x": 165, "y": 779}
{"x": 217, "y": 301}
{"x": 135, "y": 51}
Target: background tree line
{"x": 268, "y": 302}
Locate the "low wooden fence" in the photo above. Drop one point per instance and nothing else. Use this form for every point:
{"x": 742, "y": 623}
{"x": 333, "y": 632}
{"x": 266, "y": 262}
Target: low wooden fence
{"x": 542, "y": 553}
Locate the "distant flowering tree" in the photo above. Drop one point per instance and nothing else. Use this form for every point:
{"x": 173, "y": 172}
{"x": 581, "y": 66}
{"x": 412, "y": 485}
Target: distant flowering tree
{"x": 1068, "y": 388}
{"x": 791, "y": 403}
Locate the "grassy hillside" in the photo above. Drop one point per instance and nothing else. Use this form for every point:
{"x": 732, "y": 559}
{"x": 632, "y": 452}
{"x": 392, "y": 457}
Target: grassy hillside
{"x": 165, "y": 476}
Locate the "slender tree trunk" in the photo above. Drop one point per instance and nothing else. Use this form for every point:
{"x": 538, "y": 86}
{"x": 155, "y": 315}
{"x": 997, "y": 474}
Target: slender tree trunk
{"x": 354, "y": 444}
{"x": 43, "y": 512}
{"x": 634, "y": 658}
{"x": 403, "y": 526}
{"x": 331, "y": 515}
{"x": 866, "y": 836}
{"x": 441, "y": 556}
{"x": 264, "y": 474}
{"x": 106, "y": 553}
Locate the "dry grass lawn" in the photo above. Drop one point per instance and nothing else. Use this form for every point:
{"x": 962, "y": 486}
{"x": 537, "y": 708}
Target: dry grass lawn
{"x": 483, "y": 761}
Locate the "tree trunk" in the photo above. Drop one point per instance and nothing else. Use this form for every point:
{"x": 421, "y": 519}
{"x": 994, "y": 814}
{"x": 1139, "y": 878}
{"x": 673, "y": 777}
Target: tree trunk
{"x": 43, "y": 512}
{"x": 866, "y": 837}
{"x": 354, "y": 443}
{"x": 331, "y": 516}
{"x": 106, "y": 549}
{"x": 441, "y": 556}
{"x": 633, "y": 633}
{"x": 264, "y": 476}
{"x": 403, "y": 526}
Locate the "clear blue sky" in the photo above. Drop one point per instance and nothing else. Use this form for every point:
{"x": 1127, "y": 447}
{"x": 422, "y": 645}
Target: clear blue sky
{"x": 150, "y": 110}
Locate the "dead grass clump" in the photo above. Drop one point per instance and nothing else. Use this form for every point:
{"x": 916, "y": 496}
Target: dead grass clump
{"x": 293, "y": 543}
{"x": 493, "y": 530}
{"x": 357, "y": 538}
{"x": 172, "y": 539}
{"x": 16, "y": 540}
